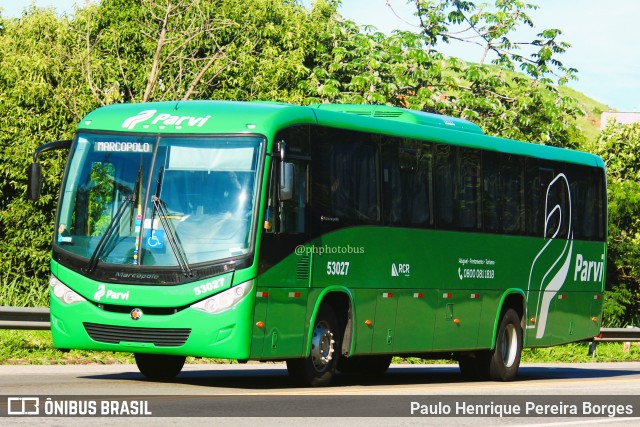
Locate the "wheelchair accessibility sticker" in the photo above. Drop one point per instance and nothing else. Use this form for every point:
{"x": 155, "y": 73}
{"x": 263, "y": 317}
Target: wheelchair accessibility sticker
{"x": 154, "y": 239}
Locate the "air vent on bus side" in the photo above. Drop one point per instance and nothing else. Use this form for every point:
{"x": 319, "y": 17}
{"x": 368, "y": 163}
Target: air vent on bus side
{"x": 377, "y": 113}
{"x": 302, "y": 269}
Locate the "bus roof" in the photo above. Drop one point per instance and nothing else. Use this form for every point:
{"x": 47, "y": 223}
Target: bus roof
{"x": 266, "y": 118}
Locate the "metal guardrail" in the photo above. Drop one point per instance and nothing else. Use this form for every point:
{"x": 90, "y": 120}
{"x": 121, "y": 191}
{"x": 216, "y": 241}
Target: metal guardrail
{"x": 30, "y": 318}
{"x": 25, "y": 318}
{"x": 618, "y": 334}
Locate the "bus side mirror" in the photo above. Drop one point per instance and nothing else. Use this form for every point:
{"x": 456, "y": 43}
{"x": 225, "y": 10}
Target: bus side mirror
{"x": 34, "y": 174}
{"x": 34, "y": 181}
{"x": 286, "y": 181}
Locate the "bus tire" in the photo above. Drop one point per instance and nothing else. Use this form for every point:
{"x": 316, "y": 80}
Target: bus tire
{"x": 159, "y": 366}
{"x": 505, "y": 357}
{"x": 365, "y": 365}
{"x": 318, "y": 369}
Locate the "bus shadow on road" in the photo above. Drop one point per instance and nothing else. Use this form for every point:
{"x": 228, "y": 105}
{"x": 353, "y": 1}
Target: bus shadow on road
{"x": 250, "y": 378}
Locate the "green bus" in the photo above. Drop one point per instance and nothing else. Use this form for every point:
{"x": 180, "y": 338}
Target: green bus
{"x": 332, "y": 237}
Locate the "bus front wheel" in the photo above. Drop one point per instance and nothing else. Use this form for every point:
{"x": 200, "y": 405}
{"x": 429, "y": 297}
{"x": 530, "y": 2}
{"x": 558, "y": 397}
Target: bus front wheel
{"x": 505, "y": 357}
{"x": 159, "y": 366}
{"x": 319, "y": 367}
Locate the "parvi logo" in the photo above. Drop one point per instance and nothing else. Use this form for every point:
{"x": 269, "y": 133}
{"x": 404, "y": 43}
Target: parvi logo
{"x": 588, "y": 271}
{"x": 109, "y": 294}
{"x": 99, "y": 293}
{"x": 163, "y": 120}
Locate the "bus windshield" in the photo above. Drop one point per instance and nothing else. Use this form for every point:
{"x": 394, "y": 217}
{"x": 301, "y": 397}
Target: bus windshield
{"x": 159, "y": 201}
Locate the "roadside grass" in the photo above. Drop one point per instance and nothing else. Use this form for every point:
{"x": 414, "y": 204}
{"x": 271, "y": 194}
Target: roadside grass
{"x": 36, "y": 348}
{"x": 17, "y": 293}
{"x": 579, "y": 353}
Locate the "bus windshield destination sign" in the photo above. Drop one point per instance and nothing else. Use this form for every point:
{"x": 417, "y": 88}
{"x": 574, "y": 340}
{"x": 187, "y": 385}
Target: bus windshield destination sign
{"x": 123, "y": 147}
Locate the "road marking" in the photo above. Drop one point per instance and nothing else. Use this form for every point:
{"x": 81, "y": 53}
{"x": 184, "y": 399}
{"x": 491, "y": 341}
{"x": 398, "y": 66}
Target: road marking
{"x": 448, "y": 388}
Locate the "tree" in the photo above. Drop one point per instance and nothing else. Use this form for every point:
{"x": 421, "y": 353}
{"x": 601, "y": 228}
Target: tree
{"x": 407, "y": 69}
{"x": 41, "y": 98}
{"x": 177, "y": 49}
{"x": 619, "y": 147}
{"x": 505, "y": 104}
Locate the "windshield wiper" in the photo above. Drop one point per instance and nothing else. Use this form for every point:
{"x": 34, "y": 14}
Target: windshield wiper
{"x": 108, "y": 234}
{"x": 172, "y": 237}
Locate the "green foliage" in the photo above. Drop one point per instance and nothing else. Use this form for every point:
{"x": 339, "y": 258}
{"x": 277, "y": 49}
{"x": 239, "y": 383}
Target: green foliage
{"x": 588, "y": 123}
{"x": 406, "y": 69}
{"x": 39, "y": 98}
{"x": 160, "y": 49}
{"x": 100, "y": 198}
{"x": 36, "y": 348}
{"x": 619, "y": 147}
{"x": 579, "y": 353}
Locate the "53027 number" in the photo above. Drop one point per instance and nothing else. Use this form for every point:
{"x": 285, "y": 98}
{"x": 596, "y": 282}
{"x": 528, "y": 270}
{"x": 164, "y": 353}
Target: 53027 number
{"x": 209, "y": 286}
{"x": 337, "y": 268}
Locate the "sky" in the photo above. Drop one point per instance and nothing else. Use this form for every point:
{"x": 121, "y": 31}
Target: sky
{"x": 604, "y": 38}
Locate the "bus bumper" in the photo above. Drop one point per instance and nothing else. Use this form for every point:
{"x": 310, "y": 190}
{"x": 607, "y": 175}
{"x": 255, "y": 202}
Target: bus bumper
{"x": 189, "y": 332}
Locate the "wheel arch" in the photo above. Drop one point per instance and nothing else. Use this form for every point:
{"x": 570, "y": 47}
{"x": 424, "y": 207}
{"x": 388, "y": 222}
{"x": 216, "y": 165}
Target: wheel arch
{"x": 341, "y": 301}
{"x": 511, "y": 298}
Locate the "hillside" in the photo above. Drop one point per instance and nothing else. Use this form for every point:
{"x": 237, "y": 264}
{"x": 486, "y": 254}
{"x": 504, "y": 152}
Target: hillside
{"x": 590, "y": 122}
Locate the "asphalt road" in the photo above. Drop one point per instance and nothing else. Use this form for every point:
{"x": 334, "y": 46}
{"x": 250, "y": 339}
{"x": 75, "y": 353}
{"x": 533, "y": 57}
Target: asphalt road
{"x": 262, "y": 394}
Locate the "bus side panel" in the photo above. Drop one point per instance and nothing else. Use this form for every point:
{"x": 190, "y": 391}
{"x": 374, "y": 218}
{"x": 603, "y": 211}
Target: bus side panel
{"x": 384, "y": 324}
{"x": 415, "y": 320}
{"x": 364, "y": 301}
{"x": 457, "y": 320}
{"x": 259, "y": 318}
{"x": 283, "y": 322}
{"x": 490, "y": 311}
{"x": 570, "y": 321}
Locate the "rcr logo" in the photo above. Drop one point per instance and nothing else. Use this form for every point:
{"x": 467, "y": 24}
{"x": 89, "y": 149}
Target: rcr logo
{"x": 588, "y": 271}
{"x": 109, "y": 294}
{"x": 400, "y": 270}
{"x": 163, "y": 120}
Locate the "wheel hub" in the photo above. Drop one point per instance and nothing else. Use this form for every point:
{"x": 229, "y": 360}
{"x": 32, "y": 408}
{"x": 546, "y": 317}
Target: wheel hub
{"x": 322, "y": 346}
{"x": 510, "y": 346}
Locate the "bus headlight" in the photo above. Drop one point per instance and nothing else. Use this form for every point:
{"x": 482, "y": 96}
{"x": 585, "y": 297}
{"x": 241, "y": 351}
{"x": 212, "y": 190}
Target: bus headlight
{"x": 64, "y": 293}
{"x": 224, "y": 300}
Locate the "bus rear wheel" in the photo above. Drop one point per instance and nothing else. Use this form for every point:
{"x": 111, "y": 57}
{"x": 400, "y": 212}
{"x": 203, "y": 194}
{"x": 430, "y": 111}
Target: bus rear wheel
{"x": 505, "y": 357}
{"x": 319, "y": 367}
{"x": 159, "y": 366}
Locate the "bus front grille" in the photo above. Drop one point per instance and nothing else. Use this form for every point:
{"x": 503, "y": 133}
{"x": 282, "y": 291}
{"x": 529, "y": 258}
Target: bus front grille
{"x": 161, "y": 337}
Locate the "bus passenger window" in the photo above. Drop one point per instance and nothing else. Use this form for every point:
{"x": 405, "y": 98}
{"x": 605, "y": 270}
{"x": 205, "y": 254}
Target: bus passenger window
{"x": 445, "y": 186}
{"x": 458, "y": 188}
{"x": 407, "y": 183}
{"x": 469, "y": 213}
